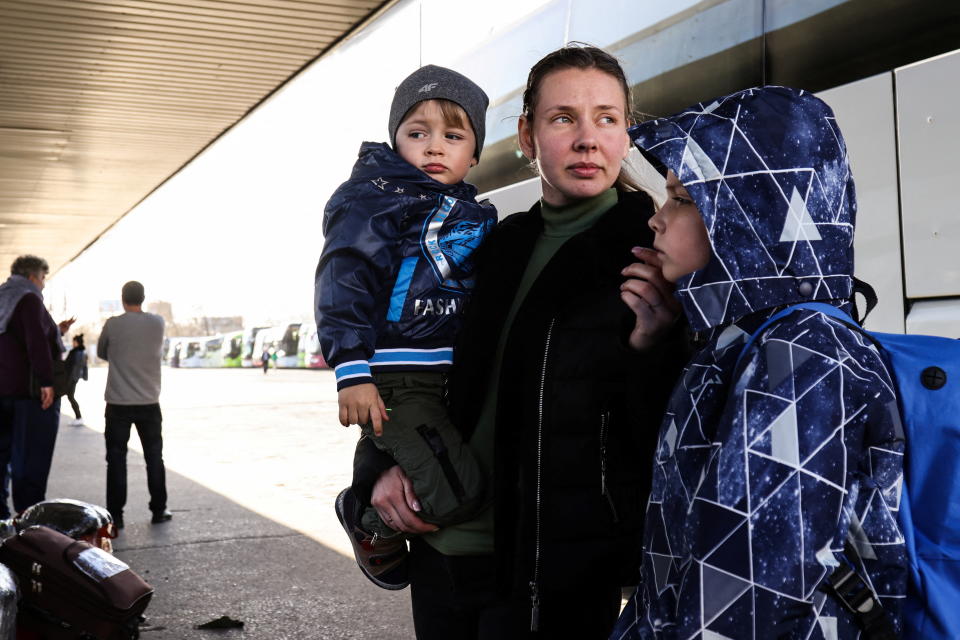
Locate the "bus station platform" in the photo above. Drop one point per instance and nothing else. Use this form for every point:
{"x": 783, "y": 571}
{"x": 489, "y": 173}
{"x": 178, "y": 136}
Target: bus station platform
{"x": 253, "y": 464}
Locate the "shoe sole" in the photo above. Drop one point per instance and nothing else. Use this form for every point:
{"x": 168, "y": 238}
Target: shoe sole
{"x": 341, "y": 509}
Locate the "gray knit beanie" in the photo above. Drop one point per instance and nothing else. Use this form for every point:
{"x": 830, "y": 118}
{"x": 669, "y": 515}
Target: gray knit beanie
{"x": 432, "y": 82}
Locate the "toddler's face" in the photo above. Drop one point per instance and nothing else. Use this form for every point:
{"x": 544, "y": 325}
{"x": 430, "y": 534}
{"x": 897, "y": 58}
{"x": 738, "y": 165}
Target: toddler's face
{"x": 442, "y": 151}
{"x": 681, "y": 242}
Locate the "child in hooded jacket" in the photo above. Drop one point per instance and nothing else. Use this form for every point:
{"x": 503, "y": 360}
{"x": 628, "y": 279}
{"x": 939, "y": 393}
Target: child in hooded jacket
{"x": 391, "y": 285}
{"x": 779, "y": 463}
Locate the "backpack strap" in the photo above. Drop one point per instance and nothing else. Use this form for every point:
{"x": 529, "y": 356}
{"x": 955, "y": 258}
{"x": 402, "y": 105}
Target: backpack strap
{"x": 845, "y": 584}
{"x": 857, "y": 598}
{"x": 822, "y": 307}
{"x": 869, "y": 296}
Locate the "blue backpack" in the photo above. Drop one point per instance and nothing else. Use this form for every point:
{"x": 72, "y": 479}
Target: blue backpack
{"x": 926, "y": 374}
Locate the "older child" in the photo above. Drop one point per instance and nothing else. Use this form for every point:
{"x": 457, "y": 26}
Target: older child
{"x": 779, "y": 463}
{"x": 391, "y": 285}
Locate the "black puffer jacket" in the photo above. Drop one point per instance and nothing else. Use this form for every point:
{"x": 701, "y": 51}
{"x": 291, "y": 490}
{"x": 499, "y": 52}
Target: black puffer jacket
{"x": 577, "y": 408}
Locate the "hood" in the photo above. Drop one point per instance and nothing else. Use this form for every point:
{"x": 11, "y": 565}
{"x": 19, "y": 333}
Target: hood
{"x": 767, "y": 168}
{"x": 11, "y": 292}
{"x": 377, "y": 159}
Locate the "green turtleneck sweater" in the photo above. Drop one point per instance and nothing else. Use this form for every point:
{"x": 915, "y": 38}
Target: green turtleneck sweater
{"x": 475, "y": 537}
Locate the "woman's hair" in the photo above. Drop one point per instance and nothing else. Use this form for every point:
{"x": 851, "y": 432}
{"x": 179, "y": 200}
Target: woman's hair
{"x": 578, "y": 55}
{"x": 79, "y": 340}
{"x": 28, "y": 265}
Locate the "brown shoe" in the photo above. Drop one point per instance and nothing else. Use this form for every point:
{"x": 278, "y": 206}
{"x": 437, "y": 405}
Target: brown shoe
{"x": 382, "y": 560}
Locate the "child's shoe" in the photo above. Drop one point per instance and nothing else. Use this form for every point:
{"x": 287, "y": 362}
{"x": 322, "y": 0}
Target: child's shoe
{"x": 77, "y": 423}
{"x": 382, "y": 560}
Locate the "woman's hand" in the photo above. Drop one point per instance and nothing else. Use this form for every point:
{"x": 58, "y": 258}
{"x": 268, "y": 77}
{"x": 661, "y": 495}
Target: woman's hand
{"x": 650, "y": 297}
{"x": 396, "y": 503}
{"x": 46, "y": 397}
{"x": 65, "y": 325}
{"x": 361, "y": 404}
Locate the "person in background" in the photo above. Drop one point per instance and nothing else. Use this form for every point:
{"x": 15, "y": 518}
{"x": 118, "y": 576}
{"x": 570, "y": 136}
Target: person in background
{"x": 30, "y": 347}
{"x": 131, "y": 343}
{"x": 76, "y": 366}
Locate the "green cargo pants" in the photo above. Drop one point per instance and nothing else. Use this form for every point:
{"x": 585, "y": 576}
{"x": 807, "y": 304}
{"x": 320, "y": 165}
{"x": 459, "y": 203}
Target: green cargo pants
{"x": 420, "y": 437}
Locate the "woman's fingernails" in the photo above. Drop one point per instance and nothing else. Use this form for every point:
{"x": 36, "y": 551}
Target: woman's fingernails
{"x": 415, "y": 505}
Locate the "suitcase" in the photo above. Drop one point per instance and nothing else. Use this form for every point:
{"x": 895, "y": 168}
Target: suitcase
{"x": 71, "y": 589}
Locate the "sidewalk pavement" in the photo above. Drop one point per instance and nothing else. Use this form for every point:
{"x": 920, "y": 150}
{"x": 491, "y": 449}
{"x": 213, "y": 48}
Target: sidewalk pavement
{"x": 253, "y": 465}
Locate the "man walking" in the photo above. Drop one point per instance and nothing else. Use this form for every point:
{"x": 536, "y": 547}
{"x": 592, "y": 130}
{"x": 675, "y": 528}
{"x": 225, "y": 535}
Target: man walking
{"x": 131, "y": 343}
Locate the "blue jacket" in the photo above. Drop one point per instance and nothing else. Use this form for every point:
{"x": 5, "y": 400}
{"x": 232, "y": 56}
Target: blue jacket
{"x": 764, "y": 469}
{"x": 396, "y": 268}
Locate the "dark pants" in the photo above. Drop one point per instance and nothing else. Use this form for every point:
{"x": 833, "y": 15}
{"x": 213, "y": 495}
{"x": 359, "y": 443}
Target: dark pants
{"x": 71, "y": 390}
{"x": 147, "y": 419}
{"x": 28, "y": 435}
{"x": 421, "y": 438}
{"x": 455, "y": 598}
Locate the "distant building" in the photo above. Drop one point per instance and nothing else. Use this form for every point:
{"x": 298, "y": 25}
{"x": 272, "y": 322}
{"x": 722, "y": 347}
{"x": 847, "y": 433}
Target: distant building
{"x": 163, "y": 309}
{"x": 110, "y": 308}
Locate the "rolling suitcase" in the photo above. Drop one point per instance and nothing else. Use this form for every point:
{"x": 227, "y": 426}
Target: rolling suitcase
{"x": 71, "y": 589}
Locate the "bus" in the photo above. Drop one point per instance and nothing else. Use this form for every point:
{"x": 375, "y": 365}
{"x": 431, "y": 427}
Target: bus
{"x": 231, "y": 349}
{"x": 308, "y": 352}
{"x": 192, "y": 352}
{"x": 288, "y": 342}
{"x": 250, "y": 355}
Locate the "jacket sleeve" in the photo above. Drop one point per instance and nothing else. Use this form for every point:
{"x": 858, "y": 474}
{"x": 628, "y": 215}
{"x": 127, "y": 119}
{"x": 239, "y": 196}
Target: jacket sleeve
{"x": 361, "y": 226}
{"x": 103, "y": 341}
{"x": 31, "y": 317}
{"x": 800, "y": 434}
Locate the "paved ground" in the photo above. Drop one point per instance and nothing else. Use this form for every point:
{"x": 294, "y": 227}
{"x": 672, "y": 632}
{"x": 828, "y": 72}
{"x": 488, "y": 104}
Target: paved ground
{"x": 253, "y": 465}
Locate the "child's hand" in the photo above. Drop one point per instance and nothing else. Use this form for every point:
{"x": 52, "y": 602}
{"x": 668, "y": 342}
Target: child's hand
{"x": 361, "y": 404}
{"x": 650, "y": 297}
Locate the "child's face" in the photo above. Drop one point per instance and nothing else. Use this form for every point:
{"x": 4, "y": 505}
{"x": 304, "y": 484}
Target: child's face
{"x": 681, "y": 241}
{"x": 442, "y": 151}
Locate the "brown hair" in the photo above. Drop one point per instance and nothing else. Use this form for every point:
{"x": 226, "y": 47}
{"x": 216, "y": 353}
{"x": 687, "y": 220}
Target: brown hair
{"x": 28, "y": 265}
{"x": 578, "y": 55}
{"x": 453, "y": 114}
{"x": 132, "y": 293}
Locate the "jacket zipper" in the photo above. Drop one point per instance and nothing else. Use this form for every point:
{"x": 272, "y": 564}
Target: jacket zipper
{"x": 535, "y": 583}
{"x": 604, "y": 490}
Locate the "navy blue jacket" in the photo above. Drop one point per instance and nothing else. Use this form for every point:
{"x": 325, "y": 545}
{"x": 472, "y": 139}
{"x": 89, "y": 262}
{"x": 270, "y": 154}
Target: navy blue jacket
{"x": 764, "y": 469}
{"x": 396, "y": 268}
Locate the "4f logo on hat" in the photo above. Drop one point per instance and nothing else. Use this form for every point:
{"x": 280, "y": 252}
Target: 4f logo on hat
{"x": 428, "y": 87}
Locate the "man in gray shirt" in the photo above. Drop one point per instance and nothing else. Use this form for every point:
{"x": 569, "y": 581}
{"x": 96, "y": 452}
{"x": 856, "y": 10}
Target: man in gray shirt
{"x": 132, "y": 343}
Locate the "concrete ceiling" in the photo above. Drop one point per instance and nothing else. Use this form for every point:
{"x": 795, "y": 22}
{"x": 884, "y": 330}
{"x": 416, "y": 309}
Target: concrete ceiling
{"x": 100, "y": 102}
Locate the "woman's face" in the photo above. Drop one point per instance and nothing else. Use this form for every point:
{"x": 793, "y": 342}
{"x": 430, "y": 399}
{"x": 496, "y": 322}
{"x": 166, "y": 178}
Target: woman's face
{"x": 578, "y": 135}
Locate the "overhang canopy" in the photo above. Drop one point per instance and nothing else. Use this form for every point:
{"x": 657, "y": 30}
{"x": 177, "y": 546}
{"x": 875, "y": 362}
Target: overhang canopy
{"x": 100, "y": 102}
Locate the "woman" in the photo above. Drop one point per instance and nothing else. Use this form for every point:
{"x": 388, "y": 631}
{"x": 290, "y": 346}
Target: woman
{"x": 76, "y": 366}
{"x": 560, "y": 337}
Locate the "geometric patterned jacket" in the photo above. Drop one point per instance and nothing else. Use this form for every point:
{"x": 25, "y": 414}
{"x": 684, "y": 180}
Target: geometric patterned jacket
{"x": 764, "y": 469}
